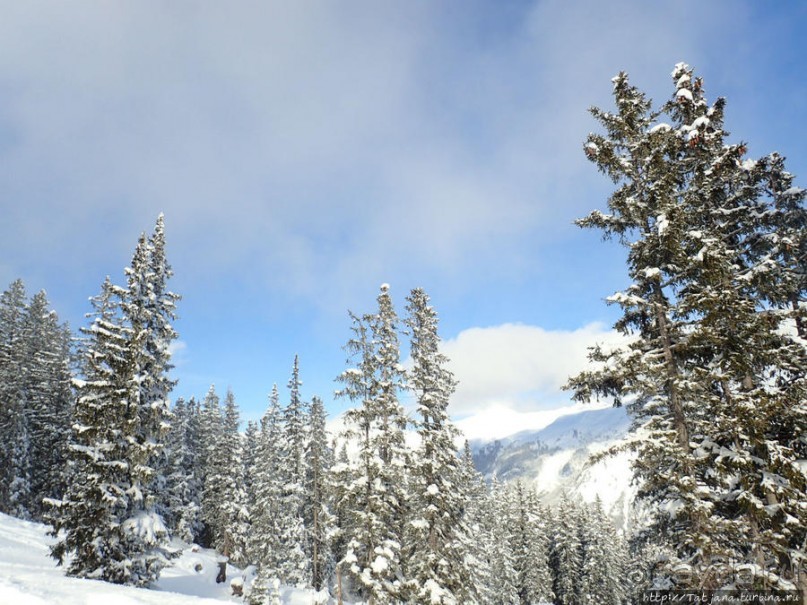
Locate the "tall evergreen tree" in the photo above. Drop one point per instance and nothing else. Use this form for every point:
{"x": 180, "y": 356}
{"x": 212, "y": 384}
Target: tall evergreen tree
{"x": 49, "y": 397}
{"x": 148, "y": 308}
{"x": 250, "y": 460}
{"x": 265, "y": 546}
{"x": 183, "y": 490}
{"x": 341, "y": 489}
{"x": 319, "y": 520}
{"x": 295, "y": 433}
{"x": 715, "y": 373}
{"x": 502, "y": 585}
{"x": 295, "y": 562}
{"x": 476, "y": 505}
{"x": 231, "y": 537}
{"x": 211, "y": 427}
{"x": 379, "y": 493}
{"x": 189, "y": 520}
{"x": 36, "y": 402}
{"x": 121, "y": 421}
{"x": 603, "y": 564}
{"x": 528, "y": 545}
{"x": 92, "y": 511}
{"x": 14, "y": 461}
{"x": 565, "y": 554}
{"x": 438, "y": 537}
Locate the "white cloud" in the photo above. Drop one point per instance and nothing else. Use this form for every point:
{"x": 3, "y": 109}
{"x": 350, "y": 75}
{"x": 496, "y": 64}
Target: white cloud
{"x": 497, "y": 421}
{"x": 178, "y": 351}
{"x": 510, "y": 377}
{"x": 321, "y": 146}
{"x": 518, "y": 368}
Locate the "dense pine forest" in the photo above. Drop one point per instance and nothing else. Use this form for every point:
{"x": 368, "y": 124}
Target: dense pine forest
{"x": 391, "y": 509}
{"x": 389, "y": 523}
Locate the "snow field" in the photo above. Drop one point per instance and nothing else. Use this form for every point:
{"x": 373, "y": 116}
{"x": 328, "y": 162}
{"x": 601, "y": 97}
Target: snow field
{"x": 29, "y": 576}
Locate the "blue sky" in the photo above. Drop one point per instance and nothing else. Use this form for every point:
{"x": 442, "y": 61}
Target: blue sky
{"x": 306, "y": 152}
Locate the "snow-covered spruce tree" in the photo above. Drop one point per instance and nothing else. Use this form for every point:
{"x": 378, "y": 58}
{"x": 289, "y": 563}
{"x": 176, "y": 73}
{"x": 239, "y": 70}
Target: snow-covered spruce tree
{"x": 565, "y": 554}
{"x": 181, "y": 503}
{"x": 745, "y": 291}
{"x": 211, "y": 425}
{"x": 438, "y": 537}
{"x": 148, "y": 308}
{"x": 340, "y": 483}
{"x": 352, "y": 478}
{"x": 227, "y": 480}
{"x": 502, "y": 581}
{"x": 36, "y": 402}
{"x": 47, "y": 383}
{"x": 716, "y": 259}
{"x": 14, "y": 429}
{"x": 223, "y": 495}
{"x": 472, "y": 484}
{"x": 264, "y": 544}
{"x": 92, "y": 511}
{"x": 294, "y": 421}
{"x": 121, "y": 420}
{"x": 294, "y": 565}
{"x": 319, "y": 520}
{"x": 603, "y": 559}
{"x": 528, "y": 545}
{"x": 651, "y": 368}
{"x": 379, "y": 492}
{"x": 189, "y": 515}
{"x": 250, "y": 459}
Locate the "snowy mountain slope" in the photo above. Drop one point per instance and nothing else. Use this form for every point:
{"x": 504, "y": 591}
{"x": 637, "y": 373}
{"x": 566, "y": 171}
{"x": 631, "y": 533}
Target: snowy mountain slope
{"x": 28, "y": 576}
{"x": 557, "y": 458}
{"x": 498, "y": 421}
{"x": 520, "y": 455}
{"x": 586, "y": 426}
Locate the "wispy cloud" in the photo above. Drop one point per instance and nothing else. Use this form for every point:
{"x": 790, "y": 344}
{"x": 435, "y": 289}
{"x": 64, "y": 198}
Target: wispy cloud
{"x": 519, "y": 367}
{"x": 316, "y": 145}
{"x": 303, "y": 153}
{"x": 178, "y": 349}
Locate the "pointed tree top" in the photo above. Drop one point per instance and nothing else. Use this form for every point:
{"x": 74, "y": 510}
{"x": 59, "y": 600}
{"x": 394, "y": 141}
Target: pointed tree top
{"x": 159, "y": 227}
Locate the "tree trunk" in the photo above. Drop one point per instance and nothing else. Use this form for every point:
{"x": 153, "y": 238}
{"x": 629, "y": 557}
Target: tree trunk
{"x": 339, "y": 584}
{"x": 315, "y": 573}
{"x": 676, "y": 408}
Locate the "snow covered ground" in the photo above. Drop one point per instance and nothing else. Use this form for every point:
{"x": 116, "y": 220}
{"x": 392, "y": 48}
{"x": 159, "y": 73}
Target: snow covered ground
{"x": 28, "y": 576}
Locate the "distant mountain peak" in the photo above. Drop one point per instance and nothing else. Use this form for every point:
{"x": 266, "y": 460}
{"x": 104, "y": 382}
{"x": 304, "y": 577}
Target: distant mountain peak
{"x": 557, "y": 458}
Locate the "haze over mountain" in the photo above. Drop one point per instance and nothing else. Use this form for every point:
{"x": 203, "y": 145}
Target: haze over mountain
{"x": 557, "y": 458}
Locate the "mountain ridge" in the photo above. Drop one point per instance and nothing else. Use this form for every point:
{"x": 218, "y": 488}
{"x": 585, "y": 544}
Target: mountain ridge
{"x": 557, "y": 459}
